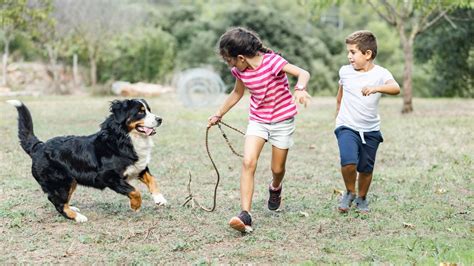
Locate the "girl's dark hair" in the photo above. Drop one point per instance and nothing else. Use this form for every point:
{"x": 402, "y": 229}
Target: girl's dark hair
{"x": 241, "y": 41}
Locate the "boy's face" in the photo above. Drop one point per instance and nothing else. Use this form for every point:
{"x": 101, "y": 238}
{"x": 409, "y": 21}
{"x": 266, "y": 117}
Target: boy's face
{"x": 357, "y": 59}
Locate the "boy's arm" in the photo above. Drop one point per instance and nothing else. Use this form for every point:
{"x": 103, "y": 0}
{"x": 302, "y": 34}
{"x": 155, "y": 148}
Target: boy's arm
{"x": 390, "y": 87}
{"x": 338, "y": 99}
{"x": 303, "y": 76}
{"x": 230, "y": 101}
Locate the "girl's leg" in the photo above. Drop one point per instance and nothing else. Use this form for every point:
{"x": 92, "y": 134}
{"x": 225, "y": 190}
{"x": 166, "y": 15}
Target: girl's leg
{"x": 278, "y": 165}
{"x": 252, "y": 148}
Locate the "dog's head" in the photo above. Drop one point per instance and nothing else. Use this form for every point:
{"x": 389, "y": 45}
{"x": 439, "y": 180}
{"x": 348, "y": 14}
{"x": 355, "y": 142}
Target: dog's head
{"x": 136, "y": 116}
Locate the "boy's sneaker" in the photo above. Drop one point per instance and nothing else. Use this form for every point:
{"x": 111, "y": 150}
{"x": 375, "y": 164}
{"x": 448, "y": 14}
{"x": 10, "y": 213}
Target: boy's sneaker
{"x": 242, "y": 222}
{"x": 346, "y": 201}
{"x": 274, "y": 200}
{"x": 362, "y": 205}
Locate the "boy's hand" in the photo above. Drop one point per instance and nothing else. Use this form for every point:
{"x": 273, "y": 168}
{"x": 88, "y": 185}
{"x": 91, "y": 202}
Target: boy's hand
{"x": 302, "y": 97}
{"x": 213, "y": 120}
{"x": 366, "y": 91}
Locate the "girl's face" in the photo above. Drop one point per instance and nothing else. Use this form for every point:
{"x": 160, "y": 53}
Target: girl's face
{"x": 357, "y": 59}
{"x": 239, "y": 62}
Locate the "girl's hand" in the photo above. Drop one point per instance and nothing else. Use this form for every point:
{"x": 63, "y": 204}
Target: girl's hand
{"x": 213, "y": 120}
{"x": 302, "y": 97}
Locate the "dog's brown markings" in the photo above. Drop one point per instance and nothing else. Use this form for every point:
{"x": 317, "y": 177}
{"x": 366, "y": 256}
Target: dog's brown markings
{"x": 71, "y": 190}
{"x": 135, "y": 200}
{"x": 132, "y": 126}
{"x": 69, "y": 213}
{"x": 149, "y": 181}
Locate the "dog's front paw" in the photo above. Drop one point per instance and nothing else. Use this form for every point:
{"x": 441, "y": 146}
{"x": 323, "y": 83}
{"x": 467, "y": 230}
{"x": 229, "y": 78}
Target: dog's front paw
{"x": 160, "y": 200}
{"x": 80, "y": 218}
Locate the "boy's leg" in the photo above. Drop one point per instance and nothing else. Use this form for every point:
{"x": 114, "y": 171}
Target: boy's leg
{"x": 252, "y": 148}
{"x": 349, "y": 145}
{"x": 349, "y": 174}
{"x": 364, "y": 183}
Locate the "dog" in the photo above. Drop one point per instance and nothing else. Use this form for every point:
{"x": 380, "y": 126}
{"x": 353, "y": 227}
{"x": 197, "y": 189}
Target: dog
{"x": 119, "y": 152}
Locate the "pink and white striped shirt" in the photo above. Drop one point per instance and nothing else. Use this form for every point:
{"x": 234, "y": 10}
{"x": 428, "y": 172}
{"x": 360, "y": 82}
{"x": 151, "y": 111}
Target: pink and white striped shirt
{"x": 270, "y": 97}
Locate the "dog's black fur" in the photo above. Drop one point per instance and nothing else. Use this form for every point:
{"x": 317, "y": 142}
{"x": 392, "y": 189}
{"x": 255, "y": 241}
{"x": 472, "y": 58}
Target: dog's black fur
{"x": 99, "y": 160}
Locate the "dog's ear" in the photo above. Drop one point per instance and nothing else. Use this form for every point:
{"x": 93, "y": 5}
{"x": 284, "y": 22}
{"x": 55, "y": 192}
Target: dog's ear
{"x": 146, "y": 104}
{"x": 119, "y": 110}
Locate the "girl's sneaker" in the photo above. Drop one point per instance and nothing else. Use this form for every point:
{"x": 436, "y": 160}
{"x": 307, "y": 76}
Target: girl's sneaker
{"x": 274, "y": 200}
{"x": 242, "y": 222}
{"x": 346, "y": 201}
{"x": 362, "y": 205}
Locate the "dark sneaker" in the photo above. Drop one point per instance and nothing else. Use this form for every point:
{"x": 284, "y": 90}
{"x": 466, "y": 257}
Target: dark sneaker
{"x": 242, "y": 222}
{"x": 362, "y": 205}
{"x": 346, "y": 201}
{"x": 274, "y": 200}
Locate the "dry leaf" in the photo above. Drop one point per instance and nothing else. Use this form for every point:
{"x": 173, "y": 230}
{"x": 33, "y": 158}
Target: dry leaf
{"x": 440, "y": 191}
{"x": 312, "y": 147}
{"x": 408, "y": 225}
{"x": 304, "y": 214}
{"x": 447, "y": 264}
{"x": 338, "y": 191}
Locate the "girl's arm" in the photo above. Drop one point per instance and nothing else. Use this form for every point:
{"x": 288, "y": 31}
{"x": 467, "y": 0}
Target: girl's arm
{"x": 300, "y": 95}
{"x": 390, "y": 87}
{"x": 338, "y": 99}
{"x": 233, "y": 98}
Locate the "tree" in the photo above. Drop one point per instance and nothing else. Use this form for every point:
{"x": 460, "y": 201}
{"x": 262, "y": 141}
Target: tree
{"x": 452, "y": 68}
{"x": 16, "y": 16}
{"x": 96, "y": 23}
{"x": 411, "y": 18}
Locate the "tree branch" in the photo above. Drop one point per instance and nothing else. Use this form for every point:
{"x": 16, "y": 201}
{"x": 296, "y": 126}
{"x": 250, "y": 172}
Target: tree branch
{"x": 433, "y": 21}
{"x": 387, "y": 17}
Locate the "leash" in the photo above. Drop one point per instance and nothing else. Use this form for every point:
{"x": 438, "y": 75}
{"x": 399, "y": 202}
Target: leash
{"x": 191, "y": 198}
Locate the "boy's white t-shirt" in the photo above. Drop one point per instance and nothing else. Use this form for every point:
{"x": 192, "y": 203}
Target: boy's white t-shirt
{"x": 360, "y": 112}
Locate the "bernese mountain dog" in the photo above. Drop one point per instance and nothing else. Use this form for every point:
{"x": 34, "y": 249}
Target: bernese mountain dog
{"x": 119, "y": 152}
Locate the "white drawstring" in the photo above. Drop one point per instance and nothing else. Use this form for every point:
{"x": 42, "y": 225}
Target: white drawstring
{"x": 361, "y": 134}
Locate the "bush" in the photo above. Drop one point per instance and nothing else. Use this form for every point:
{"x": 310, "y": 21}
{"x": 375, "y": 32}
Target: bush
{"x": 146, "y": 55}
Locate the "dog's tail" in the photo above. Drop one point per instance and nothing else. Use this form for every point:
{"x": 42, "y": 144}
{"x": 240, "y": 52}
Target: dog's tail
{"x": 28, "y": 140}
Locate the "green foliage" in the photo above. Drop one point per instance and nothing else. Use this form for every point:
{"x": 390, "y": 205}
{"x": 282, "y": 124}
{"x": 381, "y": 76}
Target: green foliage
{"x": 145, "y": 55}
{"x": 450, "y": 54}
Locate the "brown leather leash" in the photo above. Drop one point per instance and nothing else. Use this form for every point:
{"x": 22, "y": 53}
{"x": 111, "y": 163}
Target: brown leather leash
{"x": 191, "y": 198}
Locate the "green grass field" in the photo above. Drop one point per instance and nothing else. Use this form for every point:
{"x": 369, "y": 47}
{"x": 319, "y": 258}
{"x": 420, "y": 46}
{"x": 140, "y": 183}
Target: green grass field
{"x": 421, "y": 196}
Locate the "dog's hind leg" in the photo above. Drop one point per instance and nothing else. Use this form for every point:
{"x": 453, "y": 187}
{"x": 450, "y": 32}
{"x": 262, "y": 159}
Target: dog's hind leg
{"x": 60, "y": 198}
{"x": 150, "y": 181}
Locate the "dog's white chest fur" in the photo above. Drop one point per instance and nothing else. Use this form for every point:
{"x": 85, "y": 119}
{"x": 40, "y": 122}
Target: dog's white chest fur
{"x": 142, "y": 146}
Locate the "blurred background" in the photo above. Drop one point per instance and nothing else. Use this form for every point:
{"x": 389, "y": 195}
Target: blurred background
{"x": 86, "y": 46}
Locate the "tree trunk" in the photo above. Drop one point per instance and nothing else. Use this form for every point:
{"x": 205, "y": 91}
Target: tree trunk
{"x": 407, "y": 75}
{"x": 75, "y": 71}
{"x": 93, "y": 73}
{"x": 54, "y": 68}
{"x": 5, "y": 61}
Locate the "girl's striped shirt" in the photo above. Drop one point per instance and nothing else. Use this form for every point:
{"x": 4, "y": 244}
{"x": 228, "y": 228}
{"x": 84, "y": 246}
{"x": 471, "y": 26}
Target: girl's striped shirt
{"x": 270, "y": 97}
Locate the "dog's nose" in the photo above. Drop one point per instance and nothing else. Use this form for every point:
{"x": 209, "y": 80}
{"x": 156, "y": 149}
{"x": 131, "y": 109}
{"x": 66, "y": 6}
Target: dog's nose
{"x": 158, "y": 120}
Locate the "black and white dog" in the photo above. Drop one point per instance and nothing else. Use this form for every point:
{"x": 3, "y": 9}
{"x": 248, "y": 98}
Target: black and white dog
{"x": 119, "y": 152}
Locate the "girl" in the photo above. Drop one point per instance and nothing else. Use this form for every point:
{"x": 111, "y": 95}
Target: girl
{"x": 272, "y": 111}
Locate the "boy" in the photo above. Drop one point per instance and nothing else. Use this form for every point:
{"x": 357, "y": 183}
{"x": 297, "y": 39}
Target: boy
{"x": 361, "y": 85}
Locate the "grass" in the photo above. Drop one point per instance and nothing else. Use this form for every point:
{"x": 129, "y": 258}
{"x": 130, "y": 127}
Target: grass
{"x": 421, "y": 197}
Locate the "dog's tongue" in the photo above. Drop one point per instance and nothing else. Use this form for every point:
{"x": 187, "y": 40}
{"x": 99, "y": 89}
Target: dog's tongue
{"x": 147, "y": 130}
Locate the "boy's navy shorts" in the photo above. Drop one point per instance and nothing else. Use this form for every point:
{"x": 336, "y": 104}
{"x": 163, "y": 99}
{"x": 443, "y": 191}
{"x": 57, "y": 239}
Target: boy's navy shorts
{"x": 353, "y": 151}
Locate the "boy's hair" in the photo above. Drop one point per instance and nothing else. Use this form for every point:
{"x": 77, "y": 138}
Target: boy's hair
{"x": 365, "y": 40}
{"x": 241, "y": 41}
